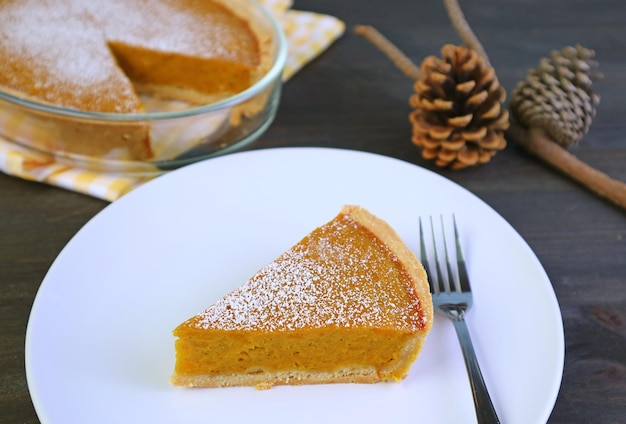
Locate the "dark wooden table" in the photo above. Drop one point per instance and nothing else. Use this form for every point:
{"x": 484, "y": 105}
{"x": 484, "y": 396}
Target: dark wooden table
{"x": 353, "y": 97}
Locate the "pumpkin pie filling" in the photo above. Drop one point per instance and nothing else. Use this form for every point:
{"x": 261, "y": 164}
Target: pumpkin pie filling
{"x": 306, "y": 350}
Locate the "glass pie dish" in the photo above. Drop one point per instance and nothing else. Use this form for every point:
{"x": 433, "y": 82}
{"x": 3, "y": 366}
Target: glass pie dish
{"x": 179, "y": 132}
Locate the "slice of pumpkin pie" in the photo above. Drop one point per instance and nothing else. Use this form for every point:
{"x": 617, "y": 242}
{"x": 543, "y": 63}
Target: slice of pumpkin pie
{"x": 349, "y": 303}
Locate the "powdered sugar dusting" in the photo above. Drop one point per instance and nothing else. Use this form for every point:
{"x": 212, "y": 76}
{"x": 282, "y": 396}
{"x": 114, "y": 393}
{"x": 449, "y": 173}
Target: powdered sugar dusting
{"x": 328, "y": 279}
{"x": 57, "y": 50}
{"x": 174, "y": 26}
{"x": 72, "y": 52}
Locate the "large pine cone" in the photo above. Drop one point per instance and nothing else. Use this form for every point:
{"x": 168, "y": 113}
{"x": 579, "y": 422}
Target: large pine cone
{"x": 458, "y": 119}
{"x": 557, "y": 96}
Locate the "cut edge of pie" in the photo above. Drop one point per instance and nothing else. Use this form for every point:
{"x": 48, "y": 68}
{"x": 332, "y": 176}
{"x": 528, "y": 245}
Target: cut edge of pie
{"x": 325, "y": 311}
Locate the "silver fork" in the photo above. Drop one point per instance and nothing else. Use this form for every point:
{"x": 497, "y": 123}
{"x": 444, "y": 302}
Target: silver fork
{"x": 452, "y": 297}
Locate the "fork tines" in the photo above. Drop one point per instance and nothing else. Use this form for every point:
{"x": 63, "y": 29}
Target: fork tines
{"x": 453, "y": 276}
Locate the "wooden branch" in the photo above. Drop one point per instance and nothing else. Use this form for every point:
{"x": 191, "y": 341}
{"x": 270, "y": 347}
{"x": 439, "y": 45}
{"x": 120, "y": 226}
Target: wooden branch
{"x": 390, "y": 50}
{"x": 464, "y": 30}
{"x": 539, "y": 144}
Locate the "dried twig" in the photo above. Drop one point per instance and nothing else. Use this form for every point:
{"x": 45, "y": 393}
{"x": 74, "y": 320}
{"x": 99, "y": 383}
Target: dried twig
{"x": 464, "y": 30}
{"x": 389, "y": 49}
{"x": 539, "y": 144}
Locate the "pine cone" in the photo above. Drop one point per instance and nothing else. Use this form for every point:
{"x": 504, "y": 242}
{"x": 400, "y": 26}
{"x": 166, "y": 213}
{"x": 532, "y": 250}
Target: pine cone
{"x": 557, "y": 95}
{"x": 458, "y": 119}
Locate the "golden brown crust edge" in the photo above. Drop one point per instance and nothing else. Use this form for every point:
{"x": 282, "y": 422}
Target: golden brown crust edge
{"x": 414, "y": 268}
{"x": 267, "y": 380}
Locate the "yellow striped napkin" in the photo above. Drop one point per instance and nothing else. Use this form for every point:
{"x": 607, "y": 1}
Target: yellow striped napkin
{"x": 308, "y": 34}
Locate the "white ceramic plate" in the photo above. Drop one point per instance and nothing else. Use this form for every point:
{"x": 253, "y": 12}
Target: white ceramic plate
{"x": 99, "y": 347}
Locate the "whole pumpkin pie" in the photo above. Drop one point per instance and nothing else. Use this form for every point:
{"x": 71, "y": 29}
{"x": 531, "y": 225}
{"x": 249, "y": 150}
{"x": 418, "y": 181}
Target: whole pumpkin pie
{"x": 97, "y": 56}
{"x": 349, "y": 303}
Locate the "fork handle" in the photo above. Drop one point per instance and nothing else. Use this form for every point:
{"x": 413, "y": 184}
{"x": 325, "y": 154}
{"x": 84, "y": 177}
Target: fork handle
{"x": 485, "y": 412}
